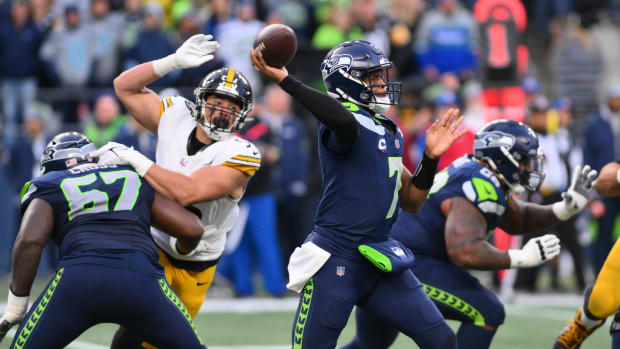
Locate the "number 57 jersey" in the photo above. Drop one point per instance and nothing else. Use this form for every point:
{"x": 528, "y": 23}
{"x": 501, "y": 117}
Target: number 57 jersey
{"x": 217, "y": 216}
{"x": 96, "y": 208}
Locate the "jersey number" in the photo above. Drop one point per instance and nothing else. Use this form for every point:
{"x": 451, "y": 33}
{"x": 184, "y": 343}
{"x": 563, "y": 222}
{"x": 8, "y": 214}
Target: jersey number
{"x": 95, "y": 201}
{"x": 395, "y": 164}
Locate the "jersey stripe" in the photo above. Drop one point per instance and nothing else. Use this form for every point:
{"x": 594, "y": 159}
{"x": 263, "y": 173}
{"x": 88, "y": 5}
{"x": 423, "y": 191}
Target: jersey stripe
{"x": 247, "y": 169}
{"x": 246, "y": 158}
{"x": 162, "y": 107}
{"x": 230, "y": 77}
{"x": 169, "y": 102}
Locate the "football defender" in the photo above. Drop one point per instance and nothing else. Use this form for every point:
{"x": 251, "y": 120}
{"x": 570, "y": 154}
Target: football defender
{"x": 200, "y": 163}
{"x": 100, "y": 218}
{"x": 347, "y": 259}
{"x": 601, "y": 300}
{"x": 449, "y": 235}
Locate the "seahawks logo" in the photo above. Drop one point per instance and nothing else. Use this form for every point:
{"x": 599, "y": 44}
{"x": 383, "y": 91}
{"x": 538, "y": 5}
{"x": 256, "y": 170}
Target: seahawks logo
{"x": 336, "y": 62}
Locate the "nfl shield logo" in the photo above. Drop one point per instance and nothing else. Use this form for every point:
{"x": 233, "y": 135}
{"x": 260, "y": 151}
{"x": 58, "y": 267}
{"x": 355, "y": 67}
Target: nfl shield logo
{"x": 397, "y": 143}
{"x": 340, "y": 271}
{"x": 183, "y": 161}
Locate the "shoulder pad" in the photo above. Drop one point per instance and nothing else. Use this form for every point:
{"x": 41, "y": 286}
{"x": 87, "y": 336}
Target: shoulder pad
{"x": 242, "y": 155}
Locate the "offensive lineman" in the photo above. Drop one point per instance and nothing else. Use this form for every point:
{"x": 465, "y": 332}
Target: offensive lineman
{"x": 108, "y": 271}
{"x": 467, "y": 201}
{"x": 344, "y": 261}
{"x": 199, "y": 162}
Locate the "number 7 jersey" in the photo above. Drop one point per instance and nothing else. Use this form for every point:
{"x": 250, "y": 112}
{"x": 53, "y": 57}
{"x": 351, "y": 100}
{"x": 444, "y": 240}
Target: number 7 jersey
{"x": 217, "y": 216}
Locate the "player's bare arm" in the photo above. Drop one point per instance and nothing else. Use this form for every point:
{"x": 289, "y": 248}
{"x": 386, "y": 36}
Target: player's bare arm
{"x": 465, "y": 233}
{"x": 36, "y": 228}
{"x": 523, "y": 217}
{"x": 208, "y": 183}
{"x": 439, "y": 137}
{"x": 142, "y": 103}
{"x": 174, "y": 220}
{"x": 608, "y": 182}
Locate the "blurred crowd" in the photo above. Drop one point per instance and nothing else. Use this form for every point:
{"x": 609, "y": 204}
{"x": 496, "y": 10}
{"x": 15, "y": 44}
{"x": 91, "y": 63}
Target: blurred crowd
{"x": 551, "y": 64}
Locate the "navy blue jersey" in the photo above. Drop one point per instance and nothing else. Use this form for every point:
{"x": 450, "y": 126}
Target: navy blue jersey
{"x": 423, "y": 232}
{"x": 361, "y": 182}
{"x": 98, "y": 210}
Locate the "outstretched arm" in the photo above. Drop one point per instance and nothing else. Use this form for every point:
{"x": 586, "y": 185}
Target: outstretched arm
{"x": 144, "y": 104}
{"x": 174, "y": 220}
{"x": 36, "y": 228}
{"x": 439, "y": 137}
{"x": 608, "y": 182}
{"x": 326, "y": 109}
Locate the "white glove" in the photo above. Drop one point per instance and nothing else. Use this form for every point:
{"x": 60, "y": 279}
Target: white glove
{"x": 118, "y": 154}
{"x": 577, "y": 195}
{"x": 15, "y": 310}
{"x": 194, "y": 52}
{"x": 535, "y": 252}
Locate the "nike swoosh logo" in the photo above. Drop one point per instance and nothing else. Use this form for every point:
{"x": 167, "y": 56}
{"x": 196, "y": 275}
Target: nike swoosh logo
{"x": 202, "y": 283}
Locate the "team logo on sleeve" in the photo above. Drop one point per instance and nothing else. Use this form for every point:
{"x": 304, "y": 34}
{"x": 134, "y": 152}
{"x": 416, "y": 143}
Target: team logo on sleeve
{"x": 340, "y": 270}
{"x": 397, "y": 143}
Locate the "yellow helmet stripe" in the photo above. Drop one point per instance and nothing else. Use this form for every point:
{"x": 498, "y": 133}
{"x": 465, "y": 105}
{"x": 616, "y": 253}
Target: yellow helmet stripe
{"x": 230, "y": 77}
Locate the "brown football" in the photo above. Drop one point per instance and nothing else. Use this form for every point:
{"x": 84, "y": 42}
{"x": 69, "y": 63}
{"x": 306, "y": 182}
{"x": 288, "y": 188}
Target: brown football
{"x": 278, "y": 44}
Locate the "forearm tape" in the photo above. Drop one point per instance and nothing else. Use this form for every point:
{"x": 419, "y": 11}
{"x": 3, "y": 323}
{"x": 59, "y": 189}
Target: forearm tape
{"x": 425, "y": 173}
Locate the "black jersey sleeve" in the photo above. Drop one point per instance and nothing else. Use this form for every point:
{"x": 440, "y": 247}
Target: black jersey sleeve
{"x": 326, "y": 109}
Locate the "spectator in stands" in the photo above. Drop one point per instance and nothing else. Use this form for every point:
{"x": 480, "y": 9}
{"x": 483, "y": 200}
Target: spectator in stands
{"x": 107, "y": 120}
{"x": 104, "y": 28}
{"x": 70, "y": 53}
{"x": 291, "y": 172}
{"x": 340, "y": 28}
{"x": 556, "y": 181}
{"x": 221, "y": 11}
{"x": 20, "y": 39}
{"x": 259, "y": 243}
{"x": 405, "y": 16}
{"x": 602, "y": 146}
{"x": 375, "y": 28}
{"x": 447, "y": 40}
{"x": 152, "y": 43}
{"x": 236, "y": 37}
{"x": 577, "y": 69}
{"x": 131, "y": 24}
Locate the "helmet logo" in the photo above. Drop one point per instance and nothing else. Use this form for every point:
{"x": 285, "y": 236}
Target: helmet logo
{"x": 336, "y": 62}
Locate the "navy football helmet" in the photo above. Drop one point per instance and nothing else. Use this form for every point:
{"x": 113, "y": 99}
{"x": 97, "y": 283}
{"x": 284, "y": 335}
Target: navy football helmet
{"x": 66, "y": 150}
{"x": 512, "y": 150}
{"x": 347, "y": 64}
{"x": 228, "y": 83}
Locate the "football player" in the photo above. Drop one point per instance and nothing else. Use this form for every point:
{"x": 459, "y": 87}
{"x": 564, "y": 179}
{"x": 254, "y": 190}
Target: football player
{"x": 449, "y": 235}
{"x": 100, "y": 217}
{"x": 601, "y": 300}
{"x": 347, "y": 259}
{"x": 199, "y": 162}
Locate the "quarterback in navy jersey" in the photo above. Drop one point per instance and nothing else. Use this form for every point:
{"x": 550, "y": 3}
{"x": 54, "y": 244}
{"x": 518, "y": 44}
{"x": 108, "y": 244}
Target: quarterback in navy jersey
{"x": 100, "y": 218}
{"x": 348, "y": 259}
{"x": 467, "y": 201}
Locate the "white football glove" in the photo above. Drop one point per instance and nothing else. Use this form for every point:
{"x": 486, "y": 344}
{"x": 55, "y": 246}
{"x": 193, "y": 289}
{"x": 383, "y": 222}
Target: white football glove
{"x": 577, "y": 195}
{"x": 15, "y": 311}
{"x": 194, "y": 52}
{"x": 119, "y": 154}
{"x": 535, "y": 252}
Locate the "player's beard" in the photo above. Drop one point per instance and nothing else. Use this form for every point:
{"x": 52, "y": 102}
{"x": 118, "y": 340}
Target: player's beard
{"x": 381, "y": 104}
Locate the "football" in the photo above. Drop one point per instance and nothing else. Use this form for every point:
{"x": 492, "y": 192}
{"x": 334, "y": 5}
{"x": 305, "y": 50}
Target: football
{"x": 278, "y": 44}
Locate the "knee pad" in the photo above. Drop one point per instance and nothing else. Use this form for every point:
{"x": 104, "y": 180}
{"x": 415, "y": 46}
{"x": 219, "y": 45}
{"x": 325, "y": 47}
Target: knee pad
{"x": 615, "y": 325}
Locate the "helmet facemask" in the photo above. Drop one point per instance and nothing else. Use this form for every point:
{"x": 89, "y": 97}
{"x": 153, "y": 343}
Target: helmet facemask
{"x": 218, "y": 121}
{"x": 380, "y": 102}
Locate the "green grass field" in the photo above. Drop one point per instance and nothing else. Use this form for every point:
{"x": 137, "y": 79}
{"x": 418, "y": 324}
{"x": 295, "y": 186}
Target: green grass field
{"x": 526, "y": 326}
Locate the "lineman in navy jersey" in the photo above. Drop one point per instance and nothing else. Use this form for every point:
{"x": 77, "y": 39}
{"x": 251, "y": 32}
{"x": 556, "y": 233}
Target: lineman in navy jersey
{"x": 100, "y": 217}
{"x": 466, "y": 202}
{"x": 364, "y": 183}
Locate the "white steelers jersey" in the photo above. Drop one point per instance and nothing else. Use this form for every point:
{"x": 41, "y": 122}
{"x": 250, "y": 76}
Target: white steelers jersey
{"x": 218, "y": 216}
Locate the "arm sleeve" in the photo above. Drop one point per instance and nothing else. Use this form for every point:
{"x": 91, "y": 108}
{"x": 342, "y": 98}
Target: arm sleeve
{"x": 325, "y": 108}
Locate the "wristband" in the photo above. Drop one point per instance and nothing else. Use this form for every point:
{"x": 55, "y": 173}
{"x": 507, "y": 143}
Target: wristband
{"x": 165, "y": 65}
{"x": 517, "y": 258}
{"x": 561, "y": 211}
{"x": 425, "y": 173}
{"x": 16, "y": 307}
